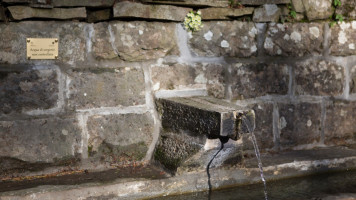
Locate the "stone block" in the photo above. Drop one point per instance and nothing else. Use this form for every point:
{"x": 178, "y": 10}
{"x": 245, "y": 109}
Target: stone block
{"x": 224, "y": 13}
{"x": 347, "y": 9}
{"x": 320, "y": 78}
{"x": 318, "y": 9}
{"x": 298, "y": 6}
{"x": 340, "y": 123}
{"x": 294, "y": 39}
{"x": 255, "y": 80}
{"x": 126, "y": 9}
{"x": 299, "y": 124}
{"x": 343, "y": 39}
{"x": 106, "y": 88}
{"x": 2, "y": 14}
{"x": 181, "y": 76}
{"x": 134, "y": 41}
{"x": 86, "y": 3}
{"x": 263, "y": 2}
{"x": 72, "y": 40}
{"x": 225, "y": 38}
{"x": 24, "y": 12}
{"x": 16, "y": 1}
{"x": 119, "y": 138}
{"x": 353, "y": 80}
{"x": 48, "y": 140}
{"x": 267, "y": 13}
{"x": 28, "y": 90}
{"x": 191, "y": 3}
{"x": 99, "y": 15}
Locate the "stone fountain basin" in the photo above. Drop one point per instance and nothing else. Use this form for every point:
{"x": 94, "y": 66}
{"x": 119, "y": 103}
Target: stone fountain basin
{"x": 151, "y": 182}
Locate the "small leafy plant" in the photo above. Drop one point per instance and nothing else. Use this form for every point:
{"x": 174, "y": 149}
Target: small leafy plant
{"x": 337, "y": 18}
{"x": 192, "y": 21}
{"x": 337, "y": 3}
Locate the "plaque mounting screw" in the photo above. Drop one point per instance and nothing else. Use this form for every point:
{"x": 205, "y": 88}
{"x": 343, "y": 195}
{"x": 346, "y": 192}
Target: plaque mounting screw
{"x": 55, "y": 57}
{"x": 56, "y": 40}
{"x": 29, "y": 57}
{"x": 28, "y": 40}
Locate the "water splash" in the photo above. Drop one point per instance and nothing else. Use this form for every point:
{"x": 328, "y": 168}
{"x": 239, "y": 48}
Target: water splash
{"x": 257, "y": 152}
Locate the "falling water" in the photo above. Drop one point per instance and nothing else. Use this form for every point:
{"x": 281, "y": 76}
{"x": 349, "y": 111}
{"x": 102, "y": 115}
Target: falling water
{"x": 257, "y": 152}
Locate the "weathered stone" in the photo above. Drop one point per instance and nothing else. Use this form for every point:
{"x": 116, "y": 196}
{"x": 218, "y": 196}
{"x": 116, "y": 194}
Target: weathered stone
{"x": 41, "y": 4}
{"x": 24, "y": 12}
{"x": 319, "y": 78}
{"x": 224, "y": 13}
{"x": 298, "y": 6}
{"x": 28, "y": 90}
{"x": 126, "y": 9}
{"x": 119, "y": 138}
{"x": 174, "y": 148}
{"x": 86, "y": 3}
{"x": 98, "y": 15}
{"x": 2, "y": 14}
{"x": 106, "y": 88}
{"x": 267, "y": 13}
{"x": 340, "y": 123}
{"x": 180, "y": 76}
{"x": 352, "y": 80}
{"x": 294, "y": 39}
{"x": 72, "y": 40}
{"x": 299, "y": 124}
{"x": 234, "y": 39}
{"x": 343, "y": 39}
{"x": 249, "y": 80}
{"x": 16, "y": 1}
{"x": 205, "y": 116}
{"x": 347, "y": 9}
{"x": 47, "y": 140}
{"x": 263, "y": 2}
{"x": 134, "y": 41}
{"x": 318, "y": 9}
{"x": 191, "y": 3}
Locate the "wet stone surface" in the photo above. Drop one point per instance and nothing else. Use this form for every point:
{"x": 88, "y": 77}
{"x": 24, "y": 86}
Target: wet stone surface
{"x": 72, "y": 40}
{"x": 232, "y": 39}
{"x": 28, "y": 90}
{"x": 119, "y": 138}
{"x": 134, "y": 41}
{"x": 48, "y": 140}
{"x": 319, "y": 78}
{"x": 299, "y": 124}
{"x": 181, "y": 76}
{"x": 249, "y": 80}
{"x": 297, "y": 39}
{"x": 104, "y": 87}
{"x": 340, "y": 127}
{"x": 343, "y": 39}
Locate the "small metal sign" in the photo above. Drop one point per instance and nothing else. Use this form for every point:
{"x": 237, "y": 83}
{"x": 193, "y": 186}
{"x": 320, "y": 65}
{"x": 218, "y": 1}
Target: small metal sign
{"x": 42, "y": 48}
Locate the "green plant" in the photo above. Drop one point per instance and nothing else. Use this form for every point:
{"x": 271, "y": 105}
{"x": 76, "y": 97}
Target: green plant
{"x": 293, "y": 14}
{"x": 192, "y": 21}
{"x": 337, "y": 3}
{"x": 235, "y": 4}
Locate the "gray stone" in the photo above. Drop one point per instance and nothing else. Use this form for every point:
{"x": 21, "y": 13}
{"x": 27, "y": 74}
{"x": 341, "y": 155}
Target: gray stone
{"x": 320, "y": 78}
{"x": 2, "y": 14}
{"x": 181, "y": 76}
{"x": 298, "y": 6}
{"x": 318, "y": 9}
{"x": 299, "y": 124}
{"x": 86, "y": 3}
{"x": 191, "y": 3}
{"x": 126, "y": 9}
{"x": 267, "y": 13}
{"x": 16, "y": 1}
{"x": 24, "y": 12}
{"x": 340, "y": 123}
{"x": 294, "y": 39}
{"x": 249, "y": 80}
{"x": 224, "y": 13}
{"x": 225, "y": 38}
{"x": 119, "y": 138}
{"x": 41, "y": 4}
{"x": 263, "y": 2}
{"x": 28, "y": 90}
{"x": 98, "y": 15}
{"x": 205, "y": 117}
{"x": 48, "y": 140}
{"x": 134, "y": 41}
{"x": 347, "y": 9}
{"x": 343, "y": 39}
{"x": 72, "y": 40}
{"x": 104, "y": 87}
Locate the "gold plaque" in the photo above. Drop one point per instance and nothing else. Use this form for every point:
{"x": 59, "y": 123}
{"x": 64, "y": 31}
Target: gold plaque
{"x": 42, "y": 48}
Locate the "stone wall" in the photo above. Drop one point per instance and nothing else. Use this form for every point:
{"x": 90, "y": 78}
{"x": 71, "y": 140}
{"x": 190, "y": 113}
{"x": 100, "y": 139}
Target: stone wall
{"x": 93, "y": 107}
